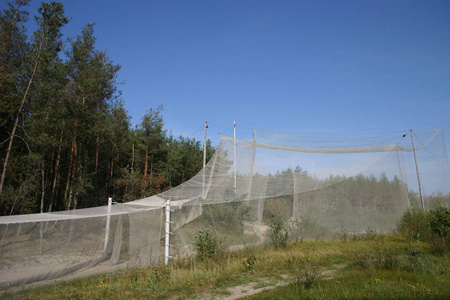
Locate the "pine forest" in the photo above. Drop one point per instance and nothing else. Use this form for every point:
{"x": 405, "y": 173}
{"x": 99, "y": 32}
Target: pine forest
{"x": 66, "y": 139}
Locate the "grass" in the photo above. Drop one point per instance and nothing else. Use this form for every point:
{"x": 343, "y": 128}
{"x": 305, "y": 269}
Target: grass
{"x": 369, "y": 267}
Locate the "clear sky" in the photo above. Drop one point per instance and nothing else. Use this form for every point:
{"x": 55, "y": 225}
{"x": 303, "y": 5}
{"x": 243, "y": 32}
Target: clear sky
{"x": 327, "y": 67}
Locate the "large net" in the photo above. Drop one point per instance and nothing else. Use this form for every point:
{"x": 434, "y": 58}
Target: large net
{"x": 315, "y": 185}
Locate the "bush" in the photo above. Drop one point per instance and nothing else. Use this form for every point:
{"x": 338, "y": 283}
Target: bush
{"x": 415, "y": 225}
{"x": 440, "y": 222}
{"x": 206, "y": 245}
{"x": 432, "y": 227}
{"x": 278, "y": 234}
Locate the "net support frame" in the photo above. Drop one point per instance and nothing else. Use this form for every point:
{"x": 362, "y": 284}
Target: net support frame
{"x": 168, "y": 233}
{"x": 417, "y": 171}
{"x": 108, "y": 227}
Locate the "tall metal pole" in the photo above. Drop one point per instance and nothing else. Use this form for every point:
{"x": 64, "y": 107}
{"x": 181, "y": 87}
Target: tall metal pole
{"x": 204, "y": 162}
{"x": 417, "y": 170}
{"x": 167, "y": 243}
{"x": 234, "y": 133}
{"x": 204, "y": 146}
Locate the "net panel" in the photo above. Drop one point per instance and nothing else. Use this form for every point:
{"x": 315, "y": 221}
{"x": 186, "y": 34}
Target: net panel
{"x": 315, "y": 185}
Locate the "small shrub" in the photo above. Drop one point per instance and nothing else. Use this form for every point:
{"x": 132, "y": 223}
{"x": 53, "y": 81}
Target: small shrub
{"x": 381, "y": 259}
{"x": 342, "y": 234}
{"x": 307, "y": 272}
{"x": 206, "y": 245}
{"x": 362, "y": 259}
{"x": 370, "y": 234}
{"x": 160, "y": 273}
{"x": 249, "y": 264}
{"x": 386, "y": 259}
{"x": 278, "y": 234}
{"x": 423, "y": 263}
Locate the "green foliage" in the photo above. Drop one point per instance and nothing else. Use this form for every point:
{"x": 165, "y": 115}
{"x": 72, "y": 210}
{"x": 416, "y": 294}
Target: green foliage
{"x": 414, "y": 224}
{"x": 160, "y": 273}
{"x": 432, "y": 226}
{"x": 206, "y": 245}
{"x": 378, "y": 259}
{"x": 277, "y": 234}
{"x": 440, "y": 222}
{"x": 74, "y": 124}
{"x": 227, "y": 216}
{"x": 249, "y": 263}
{"x": 440, "y": 229}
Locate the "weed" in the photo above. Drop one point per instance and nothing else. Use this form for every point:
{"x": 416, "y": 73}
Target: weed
{"x": 362, "y": 259}
{"x": 342, "y": 234}
{"x": 249, "y": 264}
{"x": 386, "y": 259}
{"x": 306, "y": 272}
{"x": 368, "y": 235}
{"x": 160, "y": 273}
{"x": 419, "y": 290}
{"x": 379, "y": 259}
{"x": 440, "y": 245}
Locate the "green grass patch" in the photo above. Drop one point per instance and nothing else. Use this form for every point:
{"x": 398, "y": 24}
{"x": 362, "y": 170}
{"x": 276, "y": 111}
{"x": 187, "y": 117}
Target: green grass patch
{"x": 387, "y": 267}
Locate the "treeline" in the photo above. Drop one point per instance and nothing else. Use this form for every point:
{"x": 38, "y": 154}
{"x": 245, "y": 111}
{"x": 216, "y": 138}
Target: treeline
{"x": 339, "y": 194}
{"x": 340, "y": 197}
{"x": 66, "y": 140}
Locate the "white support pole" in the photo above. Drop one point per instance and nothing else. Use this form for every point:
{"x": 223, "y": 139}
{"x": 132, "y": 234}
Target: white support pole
{"x": 167, "y": 243}
{"x": 417, "y": 170}
{"x": 107, "y": 229}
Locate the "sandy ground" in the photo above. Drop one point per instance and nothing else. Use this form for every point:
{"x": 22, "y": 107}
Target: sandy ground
{"x": 102, "y": 268}
{"x": 237, "y": 292}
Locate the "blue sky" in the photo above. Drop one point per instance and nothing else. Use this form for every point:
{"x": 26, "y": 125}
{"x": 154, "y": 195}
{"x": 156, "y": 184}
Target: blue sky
{"x": 326, "y": 67}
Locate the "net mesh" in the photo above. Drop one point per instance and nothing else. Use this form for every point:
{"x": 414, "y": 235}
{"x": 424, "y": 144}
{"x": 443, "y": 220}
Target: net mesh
{"x": 315, "y": 185}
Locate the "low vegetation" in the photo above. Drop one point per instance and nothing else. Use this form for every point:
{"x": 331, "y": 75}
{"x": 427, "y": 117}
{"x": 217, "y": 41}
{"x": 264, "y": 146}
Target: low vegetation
{"x": 400, "y": 265}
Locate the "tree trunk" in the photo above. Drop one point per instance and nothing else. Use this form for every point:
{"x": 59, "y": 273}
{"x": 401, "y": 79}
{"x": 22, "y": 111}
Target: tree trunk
{"x": 43, "y": 189}
{"x": 16, "y": 122}
{"x": 56, "y": 171}
{"x": 96, "y": 155}
{"x": 71, "y": 173}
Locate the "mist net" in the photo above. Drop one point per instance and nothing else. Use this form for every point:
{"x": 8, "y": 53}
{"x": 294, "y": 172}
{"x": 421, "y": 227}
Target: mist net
{"x": 315, "y": 185}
